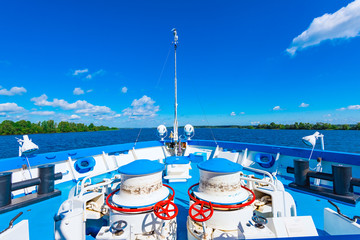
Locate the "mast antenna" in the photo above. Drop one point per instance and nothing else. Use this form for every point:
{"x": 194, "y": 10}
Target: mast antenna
{"x": 176, "y": 136}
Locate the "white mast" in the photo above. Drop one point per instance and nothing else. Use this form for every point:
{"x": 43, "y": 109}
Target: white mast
{"x": 176, "y": 137}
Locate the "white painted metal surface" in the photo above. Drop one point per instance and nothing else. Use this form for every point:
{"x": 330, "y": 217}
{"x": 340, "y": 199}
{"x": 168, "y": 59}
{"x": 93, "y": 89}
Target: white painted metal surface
{"x": 18, "y": 231}
{"x": 141, "y": 191}
{"x": 177, "y": 172}
{"x": 221, "y": 188}
{"x": 343, "y": 225}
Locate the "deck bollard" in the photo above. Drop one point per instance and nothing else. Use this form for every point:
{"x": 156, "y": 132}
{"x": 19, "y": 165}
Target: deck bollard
{"x": 301, "y": 168}
{"x": 342, "y": 179}
{"x": 5, "y": 188}
{"x": 46, "y": 188}
{"x": 47, "y": 178}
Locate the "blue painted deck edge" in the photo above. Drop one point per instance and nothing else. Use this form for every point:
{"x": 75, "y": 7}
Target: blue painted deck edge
{"x": 328, "y": 237}
{"x": 329, "y": 156}
{"x": 8, "y": 164}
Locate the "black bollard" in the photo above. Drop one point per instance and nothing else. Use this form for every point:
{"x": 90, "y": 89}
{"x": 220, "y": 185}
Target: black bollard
{"x": 342, "y": 179}
{"x": 5, "y": 188}
{"x": 301, "y": 168}
{"x": 47, "y": 178}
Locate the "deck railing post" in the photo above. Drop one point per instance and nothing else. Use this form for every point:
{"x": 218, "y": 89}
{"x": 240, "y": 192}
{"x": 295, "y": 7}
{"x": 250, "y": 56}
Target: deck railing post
{"x": 342, "y": 179}
{"x": 5, "y": 188}
{"x": 301, "y": 168}
{"x": 47, "y": 177}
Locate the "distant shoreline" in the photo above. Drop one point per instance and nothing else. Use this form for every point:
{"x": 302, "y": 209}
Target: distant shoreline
{"x": 294, "y": 126}
{"x": 22, "y": 127}
{"x": 8, "y": 127}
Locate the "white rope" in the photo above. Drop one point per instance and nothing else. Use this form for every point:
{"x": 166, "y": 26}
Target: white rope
{"x": 29, "y": 166}
{"x": 311, "y": 152}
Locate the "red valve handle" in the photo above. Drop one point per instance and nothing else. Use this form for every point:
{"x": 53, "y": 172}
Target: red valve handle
{"x": 133, "y": 210}
{"x": 232, "y": 206}
{"x": 162, "y": 210}
{"x": 203, "y": 213}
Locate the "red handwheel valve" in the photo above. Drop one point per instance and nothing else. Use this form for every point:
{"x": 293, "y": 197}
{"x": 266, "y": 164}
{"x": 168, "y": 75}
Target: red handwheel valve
{"x": 201, "y": 211}
{"x": 163, "y": 210}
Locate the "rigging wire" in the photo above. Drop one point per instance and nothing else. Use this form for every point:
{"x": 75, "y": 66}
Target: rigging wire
{"x": 156, "y": 86}
{"x": 137, "y": 138}
{"x": 204, "y": 115}
{"x": 163, "y": 68}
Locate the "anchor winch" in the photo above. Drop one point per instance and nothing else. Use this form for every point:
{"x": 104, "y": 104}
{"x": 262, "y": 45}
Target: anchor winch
{"x": 139, "y": 207}
{"x": 219, "y": 199}
{"x": 228, "y": 204}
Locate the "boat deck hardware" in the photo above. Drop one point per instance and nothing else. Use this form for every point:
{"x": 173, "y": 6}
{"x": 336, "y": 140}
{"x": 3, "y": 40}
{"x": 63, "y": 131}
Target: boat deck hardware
{"x": 341, "y": 177}
{"x": 354, "y": 219}
{"x": 45, "y": 183}
{"x": 11, "y": 223}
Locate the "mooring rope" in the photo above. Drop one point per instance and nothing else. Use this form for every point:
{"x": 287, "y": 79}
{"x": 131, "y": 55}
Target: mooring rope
{"x": 312, "y": 150}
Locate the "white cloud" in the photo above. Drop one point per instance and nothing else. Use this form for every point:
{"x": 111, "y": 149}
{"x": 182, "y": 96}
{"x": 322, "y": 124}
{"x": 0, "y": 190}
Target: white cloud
{"x": 80, "y": 71}
{"x": 107, "y": 117}
{"x": 303, "y": 105}
{"x": 277, "y": 108}
{"x": 124, "y": 90}
{"x": 95, "y": 109}
{"x": 351, "y": 107}
{"x": 89, "y": 91}
{"x": 142, "y": 108}
{"x": 232, "y": 114}
{"x": 78, "y": 91}
{"x": 10, "y": 107}
{"x": 13, "y": 91}
{"x": 74, "y": 116}
{"x": 42, "y": 113}
{"x": 343, "y": 24}
{"x": 95, "y": 74}
{"x": 42, "y": 101}
{"x": 81, "y": 106}
{"x": 81, "y": 109}
{"x": 255, "y": 123}
{"x": 242, "y": 113}
{"x": 100, "y": 72}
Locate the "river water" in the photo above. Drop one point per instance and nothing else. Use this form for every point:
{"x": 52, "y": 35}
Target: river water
{"x": 335, "y": 140}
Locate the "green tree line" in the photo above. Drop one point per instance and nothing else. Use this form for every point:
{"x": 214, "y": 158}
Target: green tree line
{"x": 310, "y": 126}
{"x": 296, "y": 126}
{"x": 8, "y": 127}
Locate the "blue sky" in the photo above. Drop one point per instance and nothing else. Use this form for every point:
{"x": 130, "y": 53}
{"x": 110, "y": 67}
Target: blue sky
{"x": 239, "y": 62}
